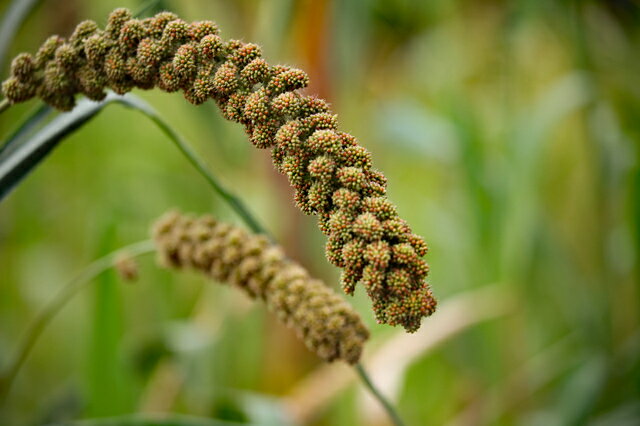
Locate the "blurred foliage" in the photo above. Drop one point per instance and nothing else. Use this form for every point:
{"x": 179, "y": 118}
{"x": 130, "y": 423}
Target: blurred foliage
{"x": 509, "y": 133}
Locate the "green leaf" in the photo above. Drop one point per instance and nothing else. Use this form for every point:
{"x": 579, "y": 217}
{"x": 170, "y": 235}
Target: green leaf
{"x": 18, "y": 136}
{"x": 16, "y": 162}
{"x": 109, "y": 387}
{"x": 20, "y": 159}
{"x": 19, "y": 156}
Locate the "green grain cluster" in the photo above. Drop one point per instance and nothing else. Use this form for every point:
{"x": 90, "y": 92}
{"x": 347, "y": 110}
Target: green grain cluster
{"x": 327, "y": 324}
{"x": 332, "y": 174}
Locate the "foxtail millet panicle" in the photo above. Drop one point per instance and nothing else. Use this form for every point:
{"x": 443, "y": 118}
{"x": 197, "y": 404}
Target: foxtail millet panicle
{"x": 328, "y": 325}
{"x": 332, "y": 174}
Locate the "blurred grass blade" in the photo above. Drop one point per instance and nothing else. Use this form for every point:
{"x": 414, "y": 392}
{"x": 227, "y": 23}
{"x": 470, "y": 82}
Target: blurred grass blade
{"x": 15, "y": 14}
{"x": 23, "y": 158}
{"x": 390, "y": 361}
{"x": 64, "y": 295}
{"x": 521, "y": 384}
{"x": 582, "y": 390}
{"x": 18, "y": 135}
{"x": 109, "y": 388}
{"x": 150, "y": 420}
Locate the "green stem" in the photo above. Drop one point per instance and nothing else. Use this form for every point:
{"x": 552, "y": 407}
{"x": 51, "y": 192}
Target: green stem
{"x": 54, "y": 306}
{"x": 391, "y": 411}
{"x": 234, "y": 202}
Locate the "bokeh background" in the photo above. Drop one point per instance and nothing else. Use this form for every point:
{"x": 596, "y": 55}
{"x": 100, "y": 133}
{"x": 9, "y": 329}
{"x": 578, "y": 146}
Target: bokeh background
{"x": 508, "y": 131}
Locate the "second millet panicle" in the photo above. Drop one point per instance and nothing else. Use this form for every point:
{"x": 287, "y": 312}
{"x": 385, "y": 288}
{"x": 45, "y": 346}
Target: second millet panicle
{"x": 328, "y": 325}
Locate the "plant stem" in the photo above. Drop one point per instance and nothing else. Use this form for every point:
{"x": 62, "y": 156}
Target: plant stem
{"x": 54, "y": 306}
{"x": 391, "y": 411}
{"x": 4, "y": 105}
{"x": 234, "y": 202}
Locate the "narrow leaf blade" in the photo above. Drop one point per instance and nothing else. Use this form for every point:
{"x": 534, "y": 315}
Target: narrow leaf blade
{"x": 16, "y": 163}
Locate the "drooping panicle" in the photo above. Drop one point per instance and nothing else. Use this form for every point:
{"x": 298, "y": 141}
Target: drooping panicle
{"x": 331, "y": 173}
{"x": 327, "y": 324}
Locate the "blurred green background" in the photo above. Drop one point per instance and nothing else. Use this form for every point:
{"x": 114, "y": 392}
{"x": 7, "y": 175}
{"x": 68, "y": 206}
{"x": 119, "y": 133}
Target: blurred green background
{"x": 508, "y": 131}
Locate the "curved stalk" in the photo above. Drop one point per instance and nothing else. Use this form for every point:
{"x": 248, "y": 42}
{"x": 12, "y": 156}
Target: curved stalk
{"x": 234, "y": 202}
{"x": 389, "y": 408}
{"x": 63, "y": 296}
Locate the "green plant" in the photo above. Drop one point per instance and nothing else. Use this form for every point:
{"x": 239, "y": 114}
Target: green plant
{"x": 331, "y": 172}
{"x": 509, "y": 133}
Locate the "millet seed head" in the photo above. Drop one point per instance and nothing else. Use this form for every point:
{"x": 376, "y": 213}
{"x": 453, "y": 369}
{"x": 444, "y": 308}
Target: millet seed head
{"x": 321, "y": 318}
{"x": 332, "y": 175}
